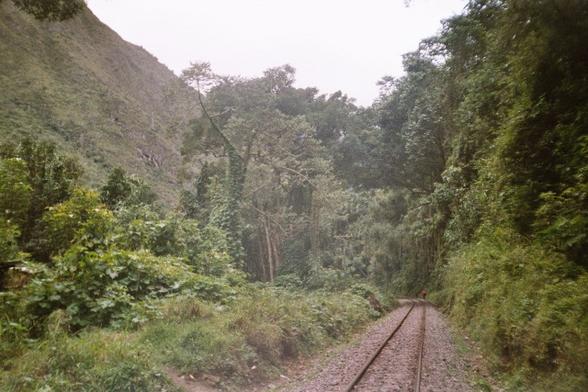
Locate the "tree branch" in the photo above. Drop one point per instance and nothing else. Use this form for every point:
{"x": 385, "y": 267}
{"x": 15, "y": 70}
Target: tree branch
{"x": 226, "y": 140}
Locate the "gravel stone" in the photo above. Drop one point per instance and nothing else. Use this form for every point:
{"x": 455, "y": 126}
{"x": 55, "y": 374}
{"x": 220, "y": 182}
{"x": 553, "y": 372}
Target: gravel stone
{"x": 395, "y": 368}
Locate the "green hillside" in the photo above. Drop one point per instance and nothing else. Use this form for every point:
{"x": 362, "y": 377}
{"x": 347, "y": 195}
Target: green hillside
{"x": 79, "y": 84}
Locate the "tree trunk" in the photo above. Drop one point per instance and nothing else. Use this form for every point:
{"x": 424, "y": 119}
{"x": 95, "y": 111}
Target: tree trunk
{"x": 269, "y": 249}
{"x": 315, "y": 209}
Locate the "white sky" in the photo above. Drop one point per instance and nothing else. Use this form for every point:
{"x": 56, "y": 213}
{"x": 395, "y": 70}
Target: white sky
{"x": 345, "y": 45}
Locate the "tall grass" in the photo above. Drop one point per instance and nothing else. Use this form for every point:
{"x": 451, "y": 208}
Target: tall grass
{"x": 240, "y": 343}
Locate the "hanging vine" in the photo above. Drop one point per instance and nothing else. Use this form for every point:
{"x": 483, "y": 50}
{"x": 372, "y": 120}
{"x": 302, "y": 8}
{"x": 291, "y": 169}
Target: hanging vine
{"x": 226, "y": 205}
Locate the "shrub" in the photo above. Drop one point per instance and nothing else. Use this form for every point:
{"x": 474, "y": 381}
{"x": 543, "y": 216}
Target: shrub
{"x": 373, "y": 295}
{"x": 116, "y": 189}
{"x": 93, "y": 361}
{"x": 526, "y": 304}
{"x": 15, "y": 191}
{"x": 8, "y": 244}
{"x": 122, "y": 190}
{"x": 102, "y": 287}
{"x": 205, "y": 249}
{"x": 328, "y": 278}
{"x": 10, "y": 255}
{"x": 184, "y": 308}
{"x": 199, "y": 346}
{"x": 296, "y": 322}
{"x": 292, "y": 281}
{"x": 82, "y": 219}
{"x": 249, "y": 338}
{"x": 50, "y": 175}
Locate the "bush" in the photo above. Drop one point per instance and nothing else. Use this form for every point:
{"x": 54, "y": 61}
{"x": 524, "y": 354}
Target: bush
{"x": 121, "y": 190}
{"x": 10, "y": 255}
{"x": 253, "y": 335}
{"x": 373, "y": 295}
{"x": 102, "y": 288}
{"x": 8, "y": 244}
{"x": 15, "y": 191}
{"x": 49, "y": 178}
{"x": 329, "y": 279}
{"x": 296, "y": 322}
{"x": 183, "y": 308}
{"x": 199, "y": 346}
{"x": 82, "y": 219}
{"x": 94, "y": 361}
{"x": 527, "y": 305}
{"x": 205, "y": 249}
{"x": 244, "y": 340}
{"x": 292, "y": 281}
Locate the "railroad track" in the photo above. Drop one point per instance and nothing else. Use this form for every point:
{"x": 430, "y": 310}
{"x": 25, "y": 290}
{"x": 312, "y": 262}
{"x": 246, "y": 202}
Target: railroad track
{"x": 418, "y": 373}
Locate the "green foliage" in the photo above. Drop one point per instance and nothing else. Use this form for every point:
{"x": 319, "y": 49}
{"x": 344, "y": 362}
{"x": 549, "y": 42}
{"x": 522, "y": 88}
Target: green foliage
{"x": 225, "y": 210}
{"x": 60, "y": 84}
{"x": 82, "y": 219}
{"x": 201, "y": 346}
{"x": 411, "y": 152}
{"x": 121, "y": 190}
{"x": 527, "y": 305}
{"x": 8, "y": 241}
{"x": 205, "y": 249}
{"x": 562, "y": 218}
{"x": 197, "y": 205}
{"x": 15, "y": 191}
{"x": 117, "y": 188}
{"x": 276, "y": 331}
{"x": 245, "y": 341}
{"x": 280, "y": 182}
{"x": 106, "y": 266}
{"x": 483, "y": 147}
{"x": 372, "y": 294}
{"x": 49, "y": 179}
{"x": 10, "y": 254}
{"x": 112, "y": 259}
{"x": 102, "y": 287}
{"x": 259, "y": 331}
{"x": 289, "y": 281}
{"x": 92, "y": 361}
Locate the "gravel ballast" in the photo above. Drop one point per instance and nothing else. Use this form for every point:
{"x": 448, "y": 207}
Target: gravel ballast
{"x": 395, "y": 368}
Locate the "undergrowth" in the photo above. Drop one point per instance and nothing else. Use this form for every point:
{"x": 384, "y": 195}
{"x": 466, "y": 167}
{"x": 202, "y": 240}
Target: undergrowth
{"x": 242, "y": 342}
{"x": 525, "y": 305}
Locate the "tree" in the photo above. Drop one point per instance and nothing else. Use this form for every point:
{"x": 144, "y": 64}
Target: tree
{"x": 15, "y": 191}
{"x": 50, "y": 176}
{"x": 116, "y": 189}
{"x": 412, "y": 148}
{"x": 225, "y": 213}
{"x": 80, "y": 219}
{"x": 286, "y": 176}
{"x": 123, "y": 190}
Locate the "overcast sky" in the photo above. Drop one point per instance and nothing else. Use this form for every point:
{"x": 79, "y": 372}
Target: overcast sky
{"x": 334, "y": 45}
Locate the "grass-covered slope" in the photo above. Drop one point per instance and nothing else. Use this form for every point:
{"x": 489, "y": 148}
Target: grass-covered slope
{"x": 82, "y": 86}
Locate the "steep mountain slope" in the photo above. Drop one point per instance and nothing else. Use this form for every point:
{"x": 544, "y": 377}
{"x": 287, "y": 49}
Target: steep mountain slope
{"x": 81, "y": 85}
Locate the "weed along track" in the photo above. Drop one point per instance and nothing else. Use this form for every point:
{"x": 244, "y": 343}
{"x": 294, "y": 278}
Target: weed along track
{"x": 410, "y": 350}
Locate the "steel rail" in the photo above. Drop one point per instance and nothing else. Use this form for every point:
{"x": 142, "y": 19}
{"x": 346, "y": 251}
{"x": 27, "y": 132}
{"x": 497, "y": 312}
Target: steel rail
{"x": 417, "y": 387}
{"x": 359, "y": 375}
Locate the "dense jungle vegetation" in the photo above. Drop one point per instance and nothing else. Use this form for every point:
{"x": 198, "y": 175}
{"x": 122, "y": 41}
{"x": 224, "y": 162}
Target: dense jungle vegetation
{"x": 302, "y": 215}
